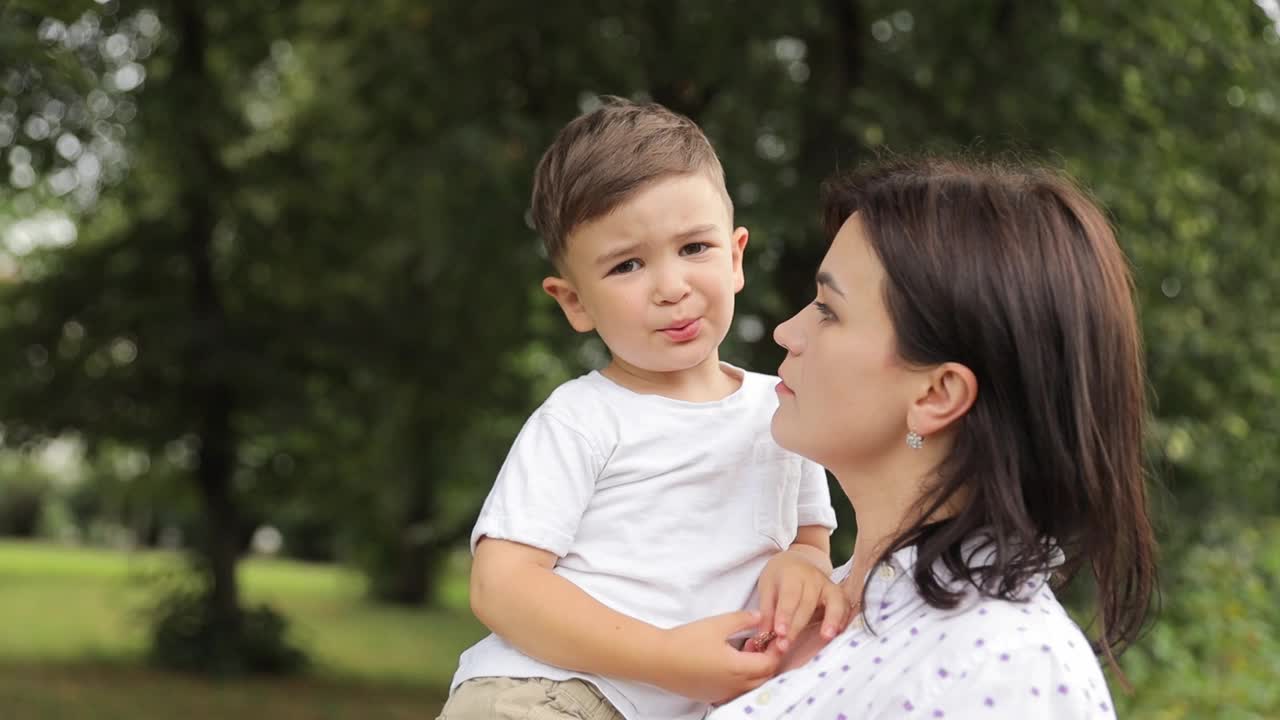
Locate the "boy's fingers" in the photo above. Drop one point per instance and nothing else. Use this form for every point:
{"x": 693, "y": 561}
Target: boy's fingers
{"x": 804, "y": 609}
{"x": 788, "y": 599}
{"x": 768, "y": 599}
{"x": 835, "y": 611}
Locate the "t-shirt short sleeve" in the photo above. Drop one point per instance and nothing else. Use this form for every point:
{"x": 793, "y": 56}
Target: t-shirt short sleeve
{"x": 543, "y": 488}
{"x": 814, "y": 506}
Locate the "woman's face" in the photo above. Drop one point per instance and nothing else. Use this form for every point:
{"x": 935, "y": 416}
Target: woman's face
{"x": 845, "y": 394}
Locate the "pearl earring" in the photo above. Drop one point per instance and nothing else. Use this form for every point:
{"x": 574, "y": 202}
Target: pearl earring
{"x": 915, "y": 440}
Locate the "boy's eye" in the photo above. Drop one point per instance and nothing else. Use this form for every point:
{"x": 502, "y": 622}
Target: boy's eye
{"x": 625, "y": 267}
{"x": 696, "y": 248}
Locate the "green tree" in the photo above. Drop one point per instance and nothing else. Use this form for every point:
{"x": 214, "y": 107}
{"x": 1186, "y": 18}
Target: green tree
{"x": 302, "y": 273}
{"x": 139, "y": 332}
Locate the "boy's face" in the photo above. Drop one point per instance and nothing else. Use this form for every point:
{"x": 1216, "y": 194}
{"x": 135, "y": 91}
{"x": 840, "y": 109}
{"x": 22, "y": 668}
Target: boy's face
{"x": 656, "y": 277}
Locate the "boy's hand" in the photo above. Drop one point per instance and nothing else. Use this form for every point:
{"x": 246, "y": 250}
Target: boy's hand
{"x": 792, "y": 592}
{"x": 699, "y": 662}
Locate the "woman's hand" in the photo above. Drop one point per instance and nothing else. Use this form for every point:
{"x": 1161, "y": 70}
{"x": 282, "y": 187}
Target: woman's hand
{"x": 793, "y": 591}
{"x": 699, "y": 663}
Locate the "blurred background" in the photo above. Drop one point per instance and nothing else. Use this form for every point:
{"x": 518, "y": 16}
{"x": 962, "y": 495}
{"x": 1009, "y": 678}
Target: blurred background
{"x": 270, "y": 315}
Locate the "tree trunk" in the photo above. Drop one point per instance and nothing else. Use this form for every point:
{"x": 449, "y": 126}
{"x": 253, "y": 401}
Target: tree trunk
{"x": 417, "y": 558}
{"x": 210, "y": 390}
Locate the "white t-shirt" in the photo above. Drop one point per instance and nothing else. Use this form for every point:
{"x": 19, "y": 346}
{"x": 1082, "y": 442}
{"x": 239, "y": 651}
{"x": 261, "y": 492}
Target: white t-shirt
{"x": 986, "y": 658}
{"x": 663, "y": 510}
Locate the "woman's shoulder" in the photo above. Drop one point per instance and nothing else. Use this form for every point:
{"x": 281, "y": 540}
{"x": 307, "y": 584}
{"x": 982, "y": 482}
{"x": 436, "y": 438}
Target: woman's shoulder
{"x": 1027, "y": 654}
{"x": 1036, "y": 620}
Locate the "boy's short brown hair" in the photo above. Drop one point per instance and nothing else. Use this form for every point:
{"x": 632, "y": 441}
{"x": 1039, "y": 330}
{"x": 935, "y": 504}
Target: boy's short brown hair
{"x": 603, "y": 157}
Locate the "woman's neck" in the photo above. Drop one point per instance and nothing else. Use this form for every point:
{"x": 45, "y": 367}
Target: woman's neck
{"x": 873, "y": 538}
{"x": 885, "y": 504}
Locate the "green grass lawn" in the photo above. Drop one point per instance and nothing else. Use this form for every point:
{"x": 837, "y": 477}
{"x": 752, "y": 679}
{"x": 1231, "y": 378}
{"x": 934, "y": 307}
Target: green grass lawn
{"x": 74, "y": 638}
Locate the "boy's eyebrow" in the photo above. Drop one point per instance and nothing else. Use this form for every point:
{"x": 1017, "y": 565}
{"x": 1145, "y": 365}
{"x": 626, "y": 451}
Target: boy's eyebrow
{"x": 824, "y": 279}
{"x": 695, "y": 230}
{"x": 618, "y": 254}
{"x": 614, "y": 255}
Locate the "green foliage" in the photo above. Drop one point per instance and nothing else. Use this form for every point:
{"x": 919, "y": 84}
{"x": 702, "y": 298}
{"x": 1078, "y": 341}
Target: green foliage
{"x": 1215, "y": 649}
{"x": 186, "y": 635}
{"x": 357, "y": 176}
{"x": 22, "y": 500}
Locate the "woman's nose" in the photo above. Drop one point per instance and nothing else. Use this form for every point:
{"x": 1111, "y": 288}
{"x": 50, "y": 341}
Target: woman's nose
{"x": 788, "y": 335}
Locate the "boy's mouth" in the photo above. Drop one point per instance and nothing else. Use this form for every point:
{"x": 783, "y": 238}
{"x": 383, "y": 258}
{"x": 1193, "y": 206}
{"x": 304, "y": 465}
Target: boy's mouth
{"x": 683, "y": 332}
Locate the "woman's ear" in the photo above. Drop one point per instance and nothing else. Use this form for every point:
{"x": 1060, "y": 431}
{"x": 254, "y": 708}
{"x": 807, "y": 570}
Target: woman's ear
{"x": 567, "y": 297}
{"x": 949, "y": 391}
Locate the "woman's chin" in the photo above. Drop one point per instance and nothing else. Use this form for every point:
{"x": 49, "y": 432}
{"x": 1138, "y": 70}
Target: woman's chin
{"x": 780, "y": 428}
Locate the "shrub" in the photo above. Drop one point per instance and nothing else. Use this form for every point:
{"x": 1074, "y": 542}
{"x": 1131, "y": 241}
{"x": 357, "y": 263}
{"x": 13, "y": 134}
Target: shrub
{"x": 186, "y": 636}
{"x": 1215, "y": 648}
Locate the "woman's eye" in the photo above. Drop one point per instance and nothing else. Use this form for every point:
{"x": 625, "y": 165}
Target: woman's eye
{"x": 694, "y": 248}
{"x": 824, "y": 310}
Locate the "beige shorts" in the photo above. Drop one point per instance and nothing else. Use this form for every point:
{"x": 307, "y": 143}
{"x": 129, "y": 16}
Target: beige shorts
{"x": 500, "y": 698}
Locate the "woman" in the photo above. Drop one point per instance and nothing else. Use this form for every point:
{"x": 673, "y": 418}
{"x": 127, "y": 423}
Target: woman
{"x": 971, "y": 373}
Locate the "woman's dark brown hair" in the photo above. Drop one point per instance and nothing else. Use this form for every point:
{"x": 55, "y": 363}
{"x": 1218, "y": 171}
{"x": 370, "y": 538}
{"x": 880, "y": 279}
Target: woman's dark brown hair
{"x": 1014, "y": 273}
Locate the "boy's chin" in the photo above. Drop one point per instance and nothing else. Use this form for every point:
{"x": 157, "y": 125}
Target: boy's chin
{"x": 683, "y": 364}
{"x": 671, "y": 360}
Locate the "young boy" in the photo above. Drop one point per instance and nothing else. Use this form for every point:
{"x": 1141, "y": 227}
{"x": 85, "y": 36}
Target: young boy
{"x": 640, "y": 504}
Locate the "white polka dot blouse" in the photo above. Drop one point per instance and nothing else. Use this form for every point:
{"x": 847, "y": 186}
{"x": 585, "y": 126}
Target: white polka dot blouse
{"x": 985, "y": 658}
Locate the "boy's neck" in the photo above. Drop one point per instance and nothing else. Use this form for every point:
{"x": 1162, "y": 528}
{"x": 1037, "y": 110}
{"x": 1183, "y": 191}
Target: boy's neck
{"x": 705, "y": 382}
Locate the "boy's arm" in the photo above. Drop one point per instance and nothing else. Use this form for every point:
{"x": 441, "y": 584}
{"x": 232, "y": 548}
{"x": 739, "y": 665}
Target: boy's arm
{"x": 813, "y": 542}
{"x": 515, "y": 593}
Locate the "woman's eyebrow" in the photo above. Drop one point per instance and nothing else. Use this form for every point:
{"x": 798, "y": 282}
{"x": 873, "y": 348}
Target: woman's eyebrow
{"x": 824, "y": 279}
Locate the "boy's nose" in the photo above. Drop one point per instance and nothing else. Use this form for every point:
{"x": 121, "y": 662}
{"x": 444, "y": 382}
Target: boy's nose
{"x": 670, "y": 288}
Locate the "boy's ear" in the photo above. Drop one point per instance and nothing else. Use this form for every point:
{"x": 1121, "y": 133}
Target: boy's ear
{"x": 738, "y": 245}
{"x": 567, "y": 297}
